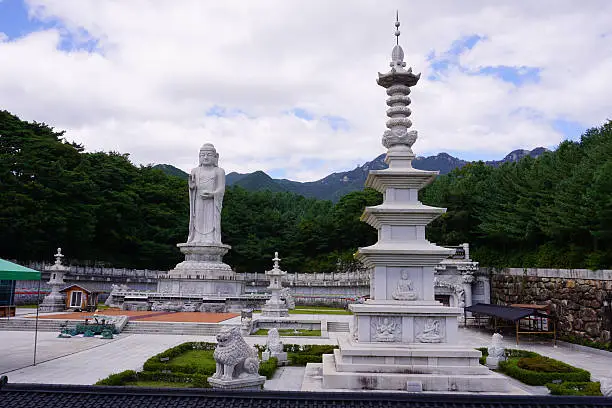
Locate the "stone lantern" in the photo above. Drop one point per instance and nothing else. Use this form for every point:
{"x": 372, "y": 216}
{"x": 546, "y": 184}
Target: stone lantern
{"x": 275, "y": 307}
{"x": 55, "y": 301}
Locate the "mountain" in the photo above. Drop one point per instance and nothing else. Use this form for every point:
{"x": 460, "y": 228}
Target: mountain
{"x": 172, "y": 171}
{"x": 336, "y": 185}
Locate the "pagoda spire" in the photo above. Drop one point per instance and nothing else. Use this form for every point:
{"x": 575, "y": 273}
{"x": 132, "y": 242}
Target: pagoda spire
{"x": 398, "y": 82}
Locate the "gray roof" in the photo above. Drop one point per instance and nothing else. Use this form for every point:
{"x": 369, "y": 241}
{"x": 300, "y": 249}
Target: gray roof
{"x": 62, "y": 396}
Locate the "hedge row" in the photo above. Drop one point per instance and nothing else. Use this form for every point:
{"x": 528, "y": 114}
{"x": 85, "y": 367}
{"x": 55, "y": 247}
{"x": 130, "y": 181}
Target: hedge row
{"x": 155, "y": 363}
{"x": 575, "y": 388}
{"x": 511, "y": 368}
{"x": 131, "y": 376}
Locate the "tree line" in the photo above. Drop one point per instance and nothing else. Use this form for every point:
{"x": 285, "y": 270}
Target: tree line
{"x": 553, "y": 211}
{"x": 101, "y": 209}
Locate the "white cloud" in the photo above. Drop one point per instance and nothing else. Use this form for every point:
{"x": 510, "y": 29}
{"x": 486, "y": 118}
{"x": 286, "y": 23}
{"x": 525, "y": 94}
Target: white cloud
{"x": 163, "y": 64}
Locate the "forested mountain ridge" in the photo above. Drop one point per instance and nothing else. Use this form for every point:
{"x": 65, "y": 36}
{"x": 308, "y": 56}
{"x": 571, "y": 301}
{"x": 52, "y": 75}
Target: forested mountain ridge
{"x": 335, "y": 185}
{"x": 553, "y": 211}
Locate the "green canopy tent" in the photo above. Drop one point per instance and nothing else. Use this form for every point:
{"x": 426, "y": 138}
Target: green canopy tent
{"x": 11, "y": 272}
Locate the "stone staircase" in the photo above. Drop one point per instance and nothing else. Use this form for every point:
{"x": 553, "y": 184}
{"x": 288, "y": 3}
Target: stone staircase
{"x": 194, "y": 329}
{"x": 338, "y": 327}
{"x": 23, "y": 324}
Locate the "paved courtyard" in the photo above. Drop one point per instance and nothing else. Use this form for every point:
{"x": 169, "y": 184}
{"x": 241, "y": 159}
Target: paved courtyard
{"x": 87, "y": 360}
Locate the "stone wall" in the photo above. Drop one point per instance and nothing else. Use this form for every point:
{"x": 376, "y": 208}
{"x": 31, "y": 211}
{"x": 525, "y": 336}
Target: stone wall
{"x": 576, "y": 296}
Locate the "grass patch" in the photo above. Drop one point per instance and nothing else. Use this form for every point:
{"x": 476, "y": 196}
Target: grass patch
{"x": 202, "y": 361}
{"x": 158, "y": 384}
{"x": 290, "y": 332}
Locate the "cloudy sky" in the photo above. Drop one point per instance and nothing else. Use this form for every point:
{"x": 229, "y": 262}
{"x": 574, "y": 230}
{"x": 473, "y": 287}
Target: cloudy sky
{"x": 288, "y": 86}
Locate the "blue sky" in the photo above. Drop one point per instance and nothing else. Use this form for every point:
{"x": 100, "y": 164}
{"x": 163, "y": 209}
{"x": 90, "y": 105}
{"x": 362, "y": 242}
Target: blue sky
{"x": 273, "y": 93}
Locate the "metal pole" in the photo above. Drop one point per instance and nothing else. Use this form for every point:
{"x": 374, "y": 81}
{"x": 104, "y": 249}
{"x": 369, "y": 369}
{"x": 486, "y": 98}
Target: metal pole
{"x": 36, "y": 324}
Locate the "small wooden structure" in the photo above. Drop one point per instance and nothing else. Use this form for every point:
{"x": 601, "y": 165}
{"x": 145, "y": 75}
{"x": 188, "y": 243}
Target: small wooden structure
{"x": 79, "y": 297}
{"x": 526, "y": 319}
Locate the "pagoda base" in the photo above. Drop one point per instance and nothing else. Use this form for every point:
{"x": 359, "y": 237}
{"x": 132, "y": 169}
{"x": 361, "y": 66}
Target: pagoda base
{"x": 275, "y": 310}
{"x": 53, "y": 303}
{"x": 434, "y": 367}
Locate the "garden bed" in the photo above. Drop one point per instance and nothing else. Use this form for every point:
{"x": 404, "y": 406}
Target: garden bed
{"x": 290, "y": 332}
{"x": 190, "y": 364}
{"x": 534, "y": 369}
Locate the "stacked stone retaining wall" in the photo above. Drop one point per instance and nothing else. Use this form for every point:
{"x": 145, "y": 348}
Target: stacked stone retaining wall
{"x": 575, "y": 296}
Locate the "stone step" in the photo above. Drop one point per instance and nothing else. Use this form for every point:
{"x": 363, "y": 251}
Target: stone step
{"x": 200, "y": 329}
{"x": 338, "y": 327}
{"x": 30, "y": 324}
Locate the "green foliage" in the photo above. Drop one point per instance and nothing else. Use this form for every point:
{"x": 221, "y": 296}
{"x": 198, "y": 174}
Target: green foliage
{"x": 290, "y": 332}
{"x": 539, "y": 370}
{"x": 119, "y": 378}
{"x": 268, "y": 368}
{"x": 300, "y": 355}
{"x": 145, "y": 378}
{"x": 575, "y": 388}
{"x": 544, "y": 365}
{"x": 553, "y": 211}
{"x": 585, "y": 342}
{"x": 186, "y": 358}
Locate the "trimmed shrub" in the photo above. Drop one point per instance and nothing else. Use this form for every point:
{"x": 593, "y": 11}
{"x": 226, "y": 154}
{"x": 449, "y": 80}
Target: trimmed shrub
{"x": 544, "y": 365}
{"x": 155, "y": 363}
{"x": 575, "y": 388}
{"x": 268, "y": 368}
{"x": 119, "y": 378}
{"x": 531, "y": 377}
{"x": 196, "y": 380}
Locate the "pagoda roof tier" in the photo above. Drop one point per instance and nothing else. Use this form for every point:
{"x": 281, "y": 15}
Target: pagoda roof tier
{"x": 411, "y": 253}
{"x": 400, "y": 214}
{"x": 397, "y": 77}
{"x": 381, "y": 180}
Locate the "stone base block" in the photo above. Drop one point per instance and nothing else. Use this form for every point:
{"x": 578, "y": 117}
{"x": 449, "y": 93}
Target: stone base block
{"x": 492, "y": 363}
{"x": 247, "y": 383}
{"x": 274, "y": 311}
{"x": 334, "y": 379}
{"x": 52, "y": 307}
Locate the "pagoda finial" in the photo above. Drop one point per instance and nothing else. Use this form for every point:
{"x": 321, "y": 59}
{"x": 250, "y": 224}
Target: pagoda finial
{"x": 397, "y": 24}
{"x": 276, "y": 259}
{"x": 58, "y": 256}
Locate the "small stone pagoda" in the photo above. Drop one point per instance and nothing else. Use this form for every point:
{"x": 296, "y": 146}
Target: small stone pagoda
{"x": 275, "y": 306}
{"x": 402, "y": 338}
{"x": 56, "y": 301}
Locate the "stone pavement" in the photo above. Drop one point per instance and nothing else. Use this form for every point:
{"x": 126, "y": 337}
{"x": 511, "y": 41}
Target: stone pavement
{"x": 86, "y": 360}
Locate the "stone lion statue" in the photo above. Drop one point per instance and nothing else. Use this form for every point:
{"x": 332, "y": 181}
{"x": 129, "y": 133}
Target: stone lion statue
{"x": 285, "y": 293}
{"x": 234, "y": 357}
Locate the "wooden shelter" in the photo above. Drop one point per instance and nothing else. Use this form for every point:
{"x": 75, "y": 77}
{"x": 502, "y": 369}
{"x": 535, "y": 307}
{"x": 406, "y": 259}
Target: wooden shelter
{"x": 79, "y": 297}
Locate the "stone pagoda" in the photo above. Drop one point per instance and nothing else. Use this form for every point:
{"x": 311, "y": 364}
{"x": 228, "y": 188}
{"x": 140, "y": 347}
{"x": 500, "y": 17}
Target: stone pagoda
{"x": 275, "y": 307}
{"x": 55, "y": 301}
{"x": 403, "y": 339}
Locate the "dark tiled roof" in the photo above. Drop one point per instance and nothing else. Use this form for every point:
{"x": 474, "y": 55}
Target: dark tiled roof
{"x": 62, "y": 396}
{"x": 504, "y": 312}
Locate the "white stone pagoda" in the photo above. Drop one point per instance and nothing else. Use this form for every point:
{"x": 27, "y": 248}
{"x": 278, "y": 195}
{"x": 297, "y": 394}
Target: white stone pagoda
{"x": 55, "y": 301}
{"x": 275, "y": 306}
{"x": 402, "y": 338}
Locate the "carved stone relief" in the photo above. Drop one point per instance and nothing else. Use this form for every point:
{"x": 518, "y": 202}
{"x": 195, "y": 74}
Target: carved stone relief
{"x": 386, "y": 329}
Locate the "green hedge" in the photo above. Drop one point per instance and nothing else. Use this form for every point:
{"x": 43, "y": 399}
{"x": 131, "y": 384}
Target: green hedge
{"x": 154, "y": 364}
{"x": 119, "y": 378}
{"x": 575, "y": 388}
{"x": 511, "y": 368}
{"x": 268, "y": 368}
{"x": 130, "y": 376}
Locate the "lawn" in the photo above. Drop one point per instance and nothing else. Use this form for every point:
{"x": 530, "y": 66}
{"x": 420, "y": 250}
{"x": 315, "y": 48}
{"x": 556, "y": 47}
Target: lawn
{"x": 202, "y": 359}
{"x": 316, "y": 310}
{"x": 158, "y": 384}
{"x": 290, "y": 332}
